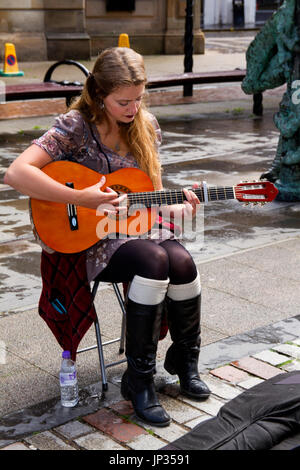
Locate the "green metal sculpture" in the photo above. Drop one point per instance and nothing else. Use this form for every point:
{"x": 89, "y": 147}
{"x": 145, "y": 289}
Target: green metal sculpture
{"x": 273, "y": 58}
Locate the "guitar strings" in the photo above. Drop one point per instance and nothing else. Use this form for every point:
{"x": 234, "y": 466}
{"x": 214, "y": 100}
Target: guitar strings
{"x": 176, "y": 196}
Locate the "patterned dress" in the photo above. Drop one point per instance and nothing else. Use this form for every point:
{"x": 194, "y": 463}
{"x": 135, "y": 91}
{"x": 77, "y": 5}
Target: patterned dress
{"x": 72, "y": 138}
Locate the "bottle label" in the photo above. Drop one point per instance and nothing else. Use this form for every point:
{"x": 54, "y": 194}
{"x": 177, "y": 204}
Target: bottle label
{"x": 68, "y": 378}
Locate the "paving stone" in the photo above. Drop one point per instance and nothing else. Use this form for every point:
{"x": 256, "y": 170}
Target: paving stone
{"x": 169, "y": 433}
{"x": 124, "y": 408}
{"x": 220, "y": 388}
{"x": 107, "y": 422}
{"x": 15, "y": 446}
{"x": 229, "y": 373}
{"x": 179, "y": 411}
{"x": 146, "y": 442}
{"x": 291, "y": 366}
{"x": 251, "y": 382}
{"x": 73, "y": 429}
{"x": 289, "y": 349}
{"x": 47, "y": 441}
{"x": 271, "y": 357}
{"x": 194, "y": 422}
{"x": 296, "y": 341}
{"x": 98, "y": 441}
{"x": 257, "y": 368}
{"x": 210, "y": 406}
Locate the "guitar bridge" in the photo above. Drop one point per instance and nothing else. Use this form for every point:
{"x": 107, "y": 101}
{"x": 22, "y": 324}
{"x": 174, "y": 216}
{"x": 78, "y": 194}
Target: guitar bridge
{"x": 72, "y": 212}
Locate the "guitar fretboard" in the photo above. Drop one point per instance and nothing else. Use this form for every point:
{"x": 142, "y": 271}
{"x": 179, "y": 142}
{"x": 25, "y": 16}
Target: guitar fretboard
{"x": 175, "y": 196}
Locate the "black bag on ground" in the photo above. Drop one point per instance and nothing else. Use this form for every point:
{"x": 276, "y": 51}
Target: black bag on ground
{"x": 260, "y": 418}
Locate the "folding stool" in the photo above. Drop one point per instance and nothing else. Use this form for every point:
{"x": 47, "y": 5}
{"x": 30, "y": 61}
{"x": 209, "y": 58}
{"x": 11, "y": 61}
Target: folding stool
{"x": 100, "y": 344}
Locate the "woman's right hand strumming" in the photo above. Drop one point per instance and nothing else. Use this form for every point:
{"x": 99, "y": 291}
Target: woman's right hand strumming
{"x": 107, "y": 201}
{"x": 25, "y": 175}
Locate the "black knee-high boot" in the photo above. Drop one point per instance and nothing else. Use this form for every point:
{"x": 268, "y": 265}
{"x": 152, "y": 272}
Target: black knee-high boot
{"x": 182, "y": 356}
{"x": 142, "y": 334}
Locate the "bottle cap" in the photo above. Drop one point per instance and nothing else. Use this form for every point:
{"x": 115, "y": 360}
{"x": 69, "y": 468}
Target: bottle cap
{"x": 66, "y": 355}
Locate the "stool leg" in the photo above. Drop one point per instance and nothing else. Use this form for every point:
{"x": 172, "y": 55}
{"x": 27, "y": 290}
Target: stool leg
{"x": 122, "y": 306}
{"x": 122, "y": 338}
{"x": 101, "y": 356}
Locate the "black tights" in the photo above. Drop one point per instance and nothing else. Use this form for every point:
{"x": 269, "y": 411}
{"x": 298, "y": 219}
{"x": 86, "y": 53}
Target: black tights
{"x": 146, "y": 258}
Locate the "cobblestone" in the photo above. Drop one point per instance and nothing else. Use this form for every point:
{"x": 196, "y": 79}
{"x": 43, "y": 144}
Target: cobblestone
{"x": 293, "y": 365}
{"x": 289, "y": 349}
{"x": 210, "y": 406}
{"x": 251, "y": 382}
{"x": 98, "y": 441}
{"x": 107, "y": 428}
{"x": 195, "y": 422}
{"x": 271, "y": 357}
{"x": 48, "y": 441}
{"x": 113, "y": 425}
{"x": 73, "y": 429}
{"x": 146, "y": 442}
{"x": 178, "y": 410}
{"x": 229, "y": 373}
{"x": 255, "y": 367}
{"x": 220, "y": 388}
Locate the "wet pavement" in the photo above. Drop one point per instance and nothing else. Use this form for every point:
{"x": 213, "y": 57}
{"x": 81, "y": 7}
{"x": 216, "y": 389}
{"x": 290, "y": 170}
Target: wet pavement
{"x": 248, "y": 260}
{"x": 221, "y": 150}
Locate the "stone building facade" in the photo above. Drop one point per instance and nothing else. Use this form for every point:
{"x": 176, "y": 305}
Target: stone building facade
{"x": 79, "y": 29}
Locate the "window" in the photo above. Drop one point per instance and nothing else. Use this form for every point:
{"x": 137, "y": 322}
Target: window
{"x": 268, "y": 4}
{"x": 120, "y": 5}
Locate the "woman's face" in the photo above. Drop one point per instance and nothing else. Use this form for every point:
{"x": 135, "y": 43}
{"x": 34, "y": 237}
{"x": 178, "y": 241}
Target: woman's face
{"x": 123, "y": 104}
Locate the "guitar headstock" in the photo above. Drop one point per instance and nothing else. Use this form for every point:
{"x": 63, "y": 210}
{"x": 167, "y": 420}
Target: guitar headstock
{"x": 255, "y": 192}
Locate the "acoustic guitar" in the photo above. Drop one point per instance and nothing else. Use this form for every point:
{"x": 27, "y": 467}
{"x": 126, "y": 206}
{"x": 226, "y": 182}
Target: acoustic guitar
{"x": 70, "y": 229}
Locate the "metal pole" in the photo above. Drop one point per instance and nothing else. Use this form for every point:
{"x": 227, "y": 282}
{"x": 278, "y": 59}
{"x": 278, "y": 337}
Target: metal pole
{"x": 188, "y": 45}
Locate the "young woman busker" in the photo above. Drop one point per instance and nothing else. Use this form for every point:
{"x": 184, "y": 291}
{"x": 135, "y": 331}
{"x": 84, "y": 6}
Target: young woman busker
{"x": 106, "y": 129}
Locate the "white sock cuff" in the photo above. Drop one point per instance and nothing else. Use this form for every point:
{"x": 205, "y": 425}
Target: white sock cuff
{"x": 148, "y": 291}
{"x": 185, "y": 291}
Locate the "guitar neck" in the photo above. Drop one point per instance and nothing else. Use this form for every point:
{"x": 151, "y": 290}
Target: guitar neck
{"x": 177, "y": 196}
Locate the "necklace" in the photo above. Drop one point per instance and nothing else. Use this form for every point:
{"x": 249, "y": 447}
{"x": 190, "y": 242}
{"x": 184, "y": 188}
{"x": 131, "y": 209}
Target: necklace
{"x": 117, "y": 147}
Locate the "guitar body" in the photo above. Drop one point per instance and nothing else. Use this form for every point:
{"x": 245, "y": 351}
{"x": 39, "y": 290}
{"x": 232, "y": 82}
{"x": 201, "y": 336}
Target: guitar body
{"x": 52, "y": 222}
{"x": 69, "y": 229}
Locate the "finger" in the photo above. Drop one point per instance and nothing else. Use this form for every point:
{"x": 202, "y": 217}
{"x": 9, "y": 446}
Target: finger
{"x": 191, "y": 197}
{"x": 117, "y": 201}
{"x": 109, "y": 190}
{"x": 194, "y": 197}
{"x": 187, "y": 194}
{"x": 123, "y": 197}
{"x": 101, "y": 182}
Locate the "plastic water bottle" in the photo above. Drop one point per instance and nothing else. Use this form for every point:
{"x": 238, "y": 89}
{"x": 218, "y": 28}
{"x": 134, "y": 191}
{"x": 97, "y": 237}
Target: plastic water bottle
{"x": 68, "y": 381}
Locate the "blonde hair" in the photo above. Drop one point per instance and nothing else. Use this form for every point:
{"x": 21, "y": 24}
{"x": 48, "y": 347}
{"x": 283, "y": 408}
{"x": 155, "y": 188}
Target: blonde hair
{"x": 114, "y": 68}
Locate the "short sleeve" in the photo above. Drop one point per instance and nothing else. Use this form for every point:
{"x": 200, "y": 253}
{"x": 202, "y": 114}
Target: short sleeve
{"x": 65, "y": 138}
